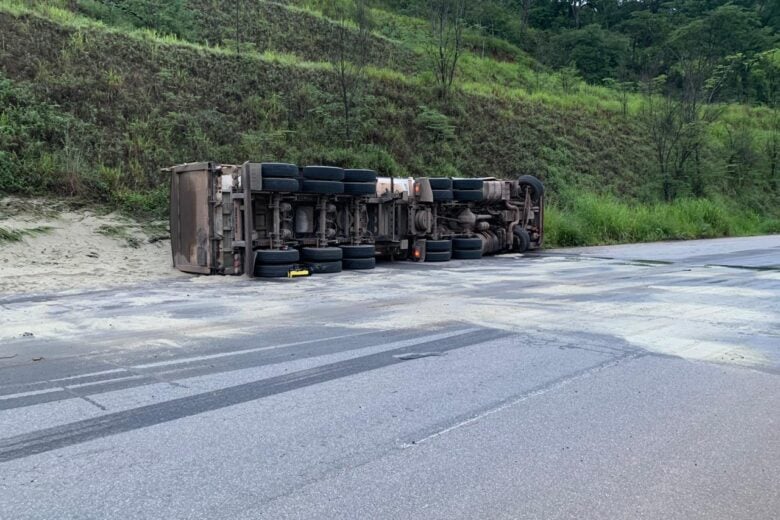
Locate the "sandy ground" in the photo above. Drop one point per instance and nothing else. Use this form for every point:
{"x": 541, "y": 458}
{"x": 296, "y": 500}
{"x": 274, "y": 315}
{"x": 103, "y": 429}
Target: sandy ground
{"x": 77, "y": 249}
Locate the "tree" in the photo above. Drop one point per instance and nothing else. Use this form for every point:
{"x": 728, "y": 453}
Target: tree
{"x": 772, "y": 152}
{"x": 525, "y": 14}
{"x": 596, "y": 52}
{"x": 348, "y": 53}
{"x": 677, "y": 128}
{"x": 446, "y": 41}
{"x": 700, "y": 46}
{"x": 576, "y": 7}
{"x": 624, "y": 90}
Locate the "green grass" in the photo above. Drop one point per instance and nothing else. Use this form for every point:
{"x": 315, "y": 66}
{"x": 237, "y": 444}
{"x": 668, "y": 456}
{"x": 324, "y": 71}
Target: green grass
{"x": 17, "y": 235}
{"x": 98, "y": 109}
{"x": 599, "y": 220}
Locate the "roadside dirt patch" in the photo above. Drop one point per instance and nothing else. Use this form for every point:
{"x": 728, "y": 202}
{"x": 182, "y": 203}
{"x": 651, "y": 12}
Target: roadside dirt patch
{"x": 52, "y": 246}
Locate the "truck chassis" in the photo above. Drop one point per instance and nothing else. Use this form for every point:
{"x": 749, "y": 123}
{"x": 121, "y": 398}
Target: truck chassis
{"x": 273, "y": 219}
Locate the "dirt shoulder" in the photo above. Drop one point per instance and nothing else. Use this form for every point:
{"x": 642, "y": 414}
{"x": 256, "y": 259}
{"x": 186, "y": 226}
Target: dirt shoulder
{"x": 49, "y": 246}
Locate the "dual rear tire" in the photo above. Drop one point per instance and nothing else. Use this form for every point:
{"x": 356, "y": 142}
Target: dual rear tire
{"x": 359, "y": 258}
{"x": 322, "y": 260}
{"x": 280, "y": 177}
{"x": 467, "y": 248}
{"x": 438, "y": 250}
{"x": 273, "y": 263}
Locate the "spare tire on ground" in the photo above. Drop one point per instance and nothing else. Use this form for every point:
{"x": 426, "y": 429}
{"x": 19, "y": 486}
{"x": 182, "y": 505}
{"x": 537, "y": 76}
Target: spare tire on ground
{"x": 323, "y": 173}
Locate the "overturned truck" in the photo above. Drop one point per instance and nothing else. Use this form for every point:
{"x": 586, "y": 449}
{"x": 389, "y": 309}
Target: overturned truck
{"x": 274, "y": 220}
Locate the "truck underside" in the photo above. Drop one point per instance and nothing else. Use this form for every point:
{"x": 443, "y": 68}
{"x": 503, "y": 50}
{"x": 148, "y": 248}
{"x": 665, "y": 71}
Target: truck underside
{"x": 275, "y": 220}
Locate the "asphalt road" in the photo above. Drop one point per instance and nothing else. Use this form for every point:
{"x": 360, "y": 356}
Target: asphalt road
{"x": 620, "y": 382}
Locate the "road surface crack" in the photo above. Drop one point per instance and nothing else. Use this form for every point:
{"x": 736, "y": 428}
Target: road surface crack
{"x": 539, "y": 390}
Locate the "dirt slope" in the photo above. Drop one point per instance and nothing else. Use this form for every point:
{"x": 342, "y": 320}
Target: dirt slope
{"x": 60, "y": 247}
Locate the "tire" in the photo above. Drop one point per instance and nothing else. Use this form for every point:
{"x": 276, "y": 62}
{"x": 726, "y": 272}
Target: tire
{"x": 360, "y": 188}
{"x": 471, "y": 254}
{"x": 522, "y": 240}
{"x": 468, "y": 195}
{"x": 445, "y": 256}
{"x": 360, "y": 176}
{"x": 273, "y": 271}
{"x": 323, "y": 173}
{"x": 283, "y": 185}
{"x": 321, "y": 254}
{"x": 276, "y": 256}
{"x": 467, "y": 244}
{"x": 279, "y": 170}
{"x": 440, "y": 183}
{"x": 537, "y": 188}
{"x": 325, "y": 267}
{"x": 358, "y": 252}
{"x": 323, "y": 187}
{"x": 467, "y": 184}
{"x": 359, "y": 264}
{"x": 442, "y": 195}
{"x": 438, "y": 246}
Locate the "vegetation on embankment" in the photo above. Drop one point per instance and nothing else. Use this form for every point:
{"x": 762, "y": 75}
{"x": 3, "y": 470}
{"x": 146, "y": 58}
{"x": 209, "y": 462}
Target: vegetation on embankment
{"x": 93, "y": 104}
{"x": 599, "y": 219}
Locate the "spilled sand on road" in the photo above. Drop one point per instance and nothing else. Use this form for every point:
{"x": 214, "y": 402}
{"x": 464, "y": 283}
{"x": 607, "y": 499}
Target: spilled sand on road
{"x": 62, "y": 247}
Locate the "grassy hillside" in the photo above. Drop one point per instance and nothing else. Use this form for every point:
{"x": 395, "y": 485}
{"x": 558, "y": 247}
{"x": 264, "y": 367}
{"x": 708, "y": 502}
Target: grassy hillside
{"x": 94, "y": 103}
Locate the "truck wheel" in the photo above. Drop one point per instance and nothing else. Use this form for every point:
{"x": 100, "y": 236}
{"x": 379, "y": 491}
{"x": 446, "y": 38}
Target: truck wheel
{"x": 321, "y": 254}
{"x": 360, "y": 188}
{"x": 444, "y": 256}
{"x": 468, "y": 195}
{"x": 273, "y": 271}
{"x": 358, "y": 252}
{"x": 359, "y": 264}
{"x": 536, "y": 186}
{"x": 360, "y": 176}
{"x": 276, "y": 256}
{"x": 522, "y": 240}
{"x": 284, "y": 185}
{"x": 438, "y": 246}
{"x": 440, "y": 183}
{"x": 323, "y": 187}
{"x": 467, "y": 184}
{"x": 323, "y": 173}
{"x": 324, "y": 267}
{"x": 467, "y": 244}
{"x": 279, "y": 170}
{"x": 469, "y": 254}
{"x": 442, "y": 195}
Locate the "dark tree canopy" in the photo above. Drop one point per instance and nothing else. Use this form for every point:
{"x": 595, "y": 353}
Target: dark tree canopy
{"x": 734, "y": 43}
